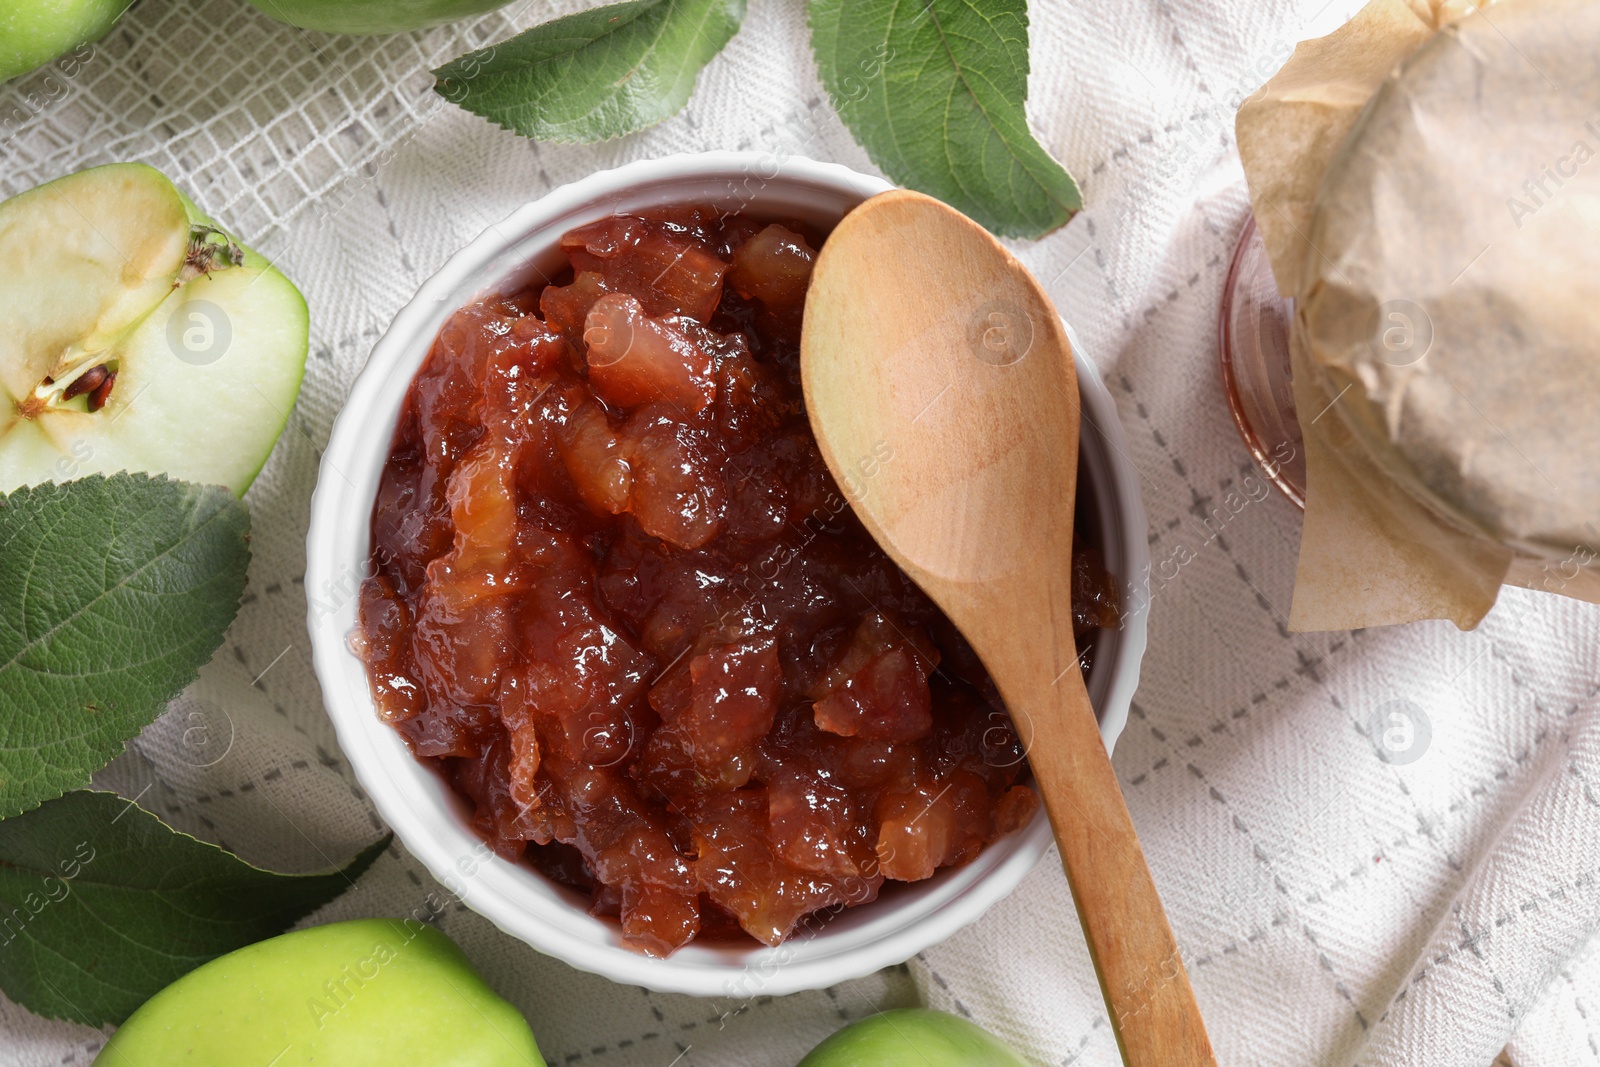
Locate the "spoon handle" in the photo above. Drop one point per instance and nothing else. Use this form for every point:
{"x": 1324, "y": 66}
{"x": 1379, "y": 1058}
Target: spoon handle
{"x": 1142, "y": 978}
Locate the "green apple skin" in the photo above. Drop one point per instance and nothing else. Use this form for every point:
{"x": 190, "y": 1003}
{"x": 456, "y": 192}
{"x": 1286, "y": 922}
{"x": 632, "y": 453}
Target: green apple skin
{"x": 33, "y": 32}
{"x": 296, "y": 322}
{"x": 90, "y": 266}
{"x": 372, "y": 16}
{"x": 913, "y": 1037}
{"x": 365, "y": 993}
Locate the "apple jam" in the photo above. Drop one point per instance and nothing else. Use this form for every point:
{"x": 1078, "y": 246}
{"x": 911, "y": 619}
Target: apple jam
{"x": 619, "y": 602}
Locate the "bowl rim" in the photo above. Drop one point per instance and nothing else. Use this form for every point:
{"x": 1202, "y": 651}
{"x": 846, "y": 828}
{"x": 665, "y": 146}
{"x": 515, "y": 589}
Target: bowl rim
{"x": 431, "y": 822}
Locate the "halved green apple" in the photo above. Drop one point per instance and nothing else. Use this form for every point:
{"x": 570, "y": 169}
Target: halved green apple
{"x": 136, "y": 335}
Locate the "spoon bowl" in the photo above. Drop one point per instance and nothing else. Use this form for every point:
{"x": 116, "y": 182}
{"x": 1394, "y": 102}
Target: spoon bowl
{"x": 927, "y": 345}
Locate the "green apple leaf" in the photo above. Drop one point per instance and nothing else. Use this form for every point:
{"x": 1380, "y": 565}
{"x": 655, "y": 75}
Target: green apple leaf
{"x": 934, "y": 91}
{"x": 102, "y": 905}
{"x": 114, "y": 592}
{"x": 595, "y": 74}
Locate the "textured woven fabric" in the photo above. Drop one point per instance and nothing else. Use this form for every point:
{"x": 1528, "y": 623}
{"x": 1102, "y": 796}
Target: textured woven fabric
{"x": 1334, "y": 907}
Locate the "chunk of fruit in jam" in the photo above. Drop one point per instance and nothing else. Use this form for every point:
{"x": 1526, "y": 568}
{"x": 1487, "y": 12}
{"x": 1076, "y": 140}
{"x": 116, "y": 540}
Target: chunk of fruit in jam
{"x": 879, "y": 687}
{"x": 671, "y": 269}
{"x": 595, "y": 460}
{"x": 722, "y": 702}
{"x": 815, "y": 825}
{"x": 740, "y": 870}
{"x": 618, "y": 600}
{"x": 774, "y": 269}
{"x": 634, "y": 359}
{"x": 678, "y": 492}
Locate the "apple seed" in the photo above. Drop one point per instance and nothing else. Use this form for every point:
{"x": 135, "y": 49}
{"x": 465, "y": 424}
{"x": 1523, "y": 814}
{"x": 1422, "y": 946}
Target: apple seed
{"x": 102, "y": 392}
{"x": 87, "y": 382}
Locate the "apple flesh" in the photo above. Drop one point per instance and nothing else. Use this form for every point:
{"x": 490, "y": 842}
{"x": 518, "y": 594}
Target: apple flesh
{"x": 366, "y": 993}
{"x": 33, "y": 32}
{"x": 135, "y": 335}
{"x": 372, "y": 16}
{"x": 913, "y": 1037}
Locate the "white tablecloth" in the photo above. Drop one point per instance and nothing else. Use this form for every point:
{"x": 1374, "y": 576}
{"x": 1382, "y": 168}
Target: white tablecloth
{"x": 1333, "y": 908}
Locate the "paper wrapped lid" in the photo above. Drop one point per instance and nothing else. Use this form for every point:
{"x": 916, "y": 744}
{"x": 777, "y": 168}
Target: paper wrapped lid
{"x": 1450, "y": 297}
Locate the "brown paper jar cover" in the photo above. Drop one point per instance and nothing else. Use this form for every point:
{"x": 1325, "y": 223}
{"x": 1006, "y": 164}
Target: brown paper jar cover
{"x": 1450, "y": 298}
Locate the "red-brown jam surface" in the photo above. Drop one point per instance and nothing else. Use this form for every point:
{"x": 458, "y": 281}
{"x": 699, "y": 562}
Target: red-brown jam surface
{"x": 620, "y": 603}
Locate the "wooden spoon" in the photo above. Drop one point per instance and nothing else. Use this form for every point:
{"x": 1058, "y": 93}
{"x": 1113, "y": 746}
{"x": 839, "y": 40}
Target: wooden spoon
{"x": 943, "y": 395}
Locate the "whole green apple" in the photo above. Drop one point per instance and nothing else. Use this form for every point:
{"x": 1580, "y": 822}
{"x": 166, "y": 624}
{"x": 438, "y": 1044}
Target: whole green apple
{"x": 913, "y": 1037}
{"x": 372, "y": 16}
{"x": 366, "y": 993}
{"x": 33, "y": 32}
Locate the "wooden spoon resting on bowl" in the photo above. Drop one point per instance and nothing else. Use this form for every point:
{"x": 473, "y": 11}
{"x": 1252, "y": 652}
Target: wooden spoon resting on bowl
{"x": 927, "y": 343}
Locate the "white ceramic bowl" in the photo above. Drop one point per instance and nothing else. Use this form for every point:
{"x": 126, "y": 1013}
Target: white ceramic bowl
{"x": 433, "y": 822}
